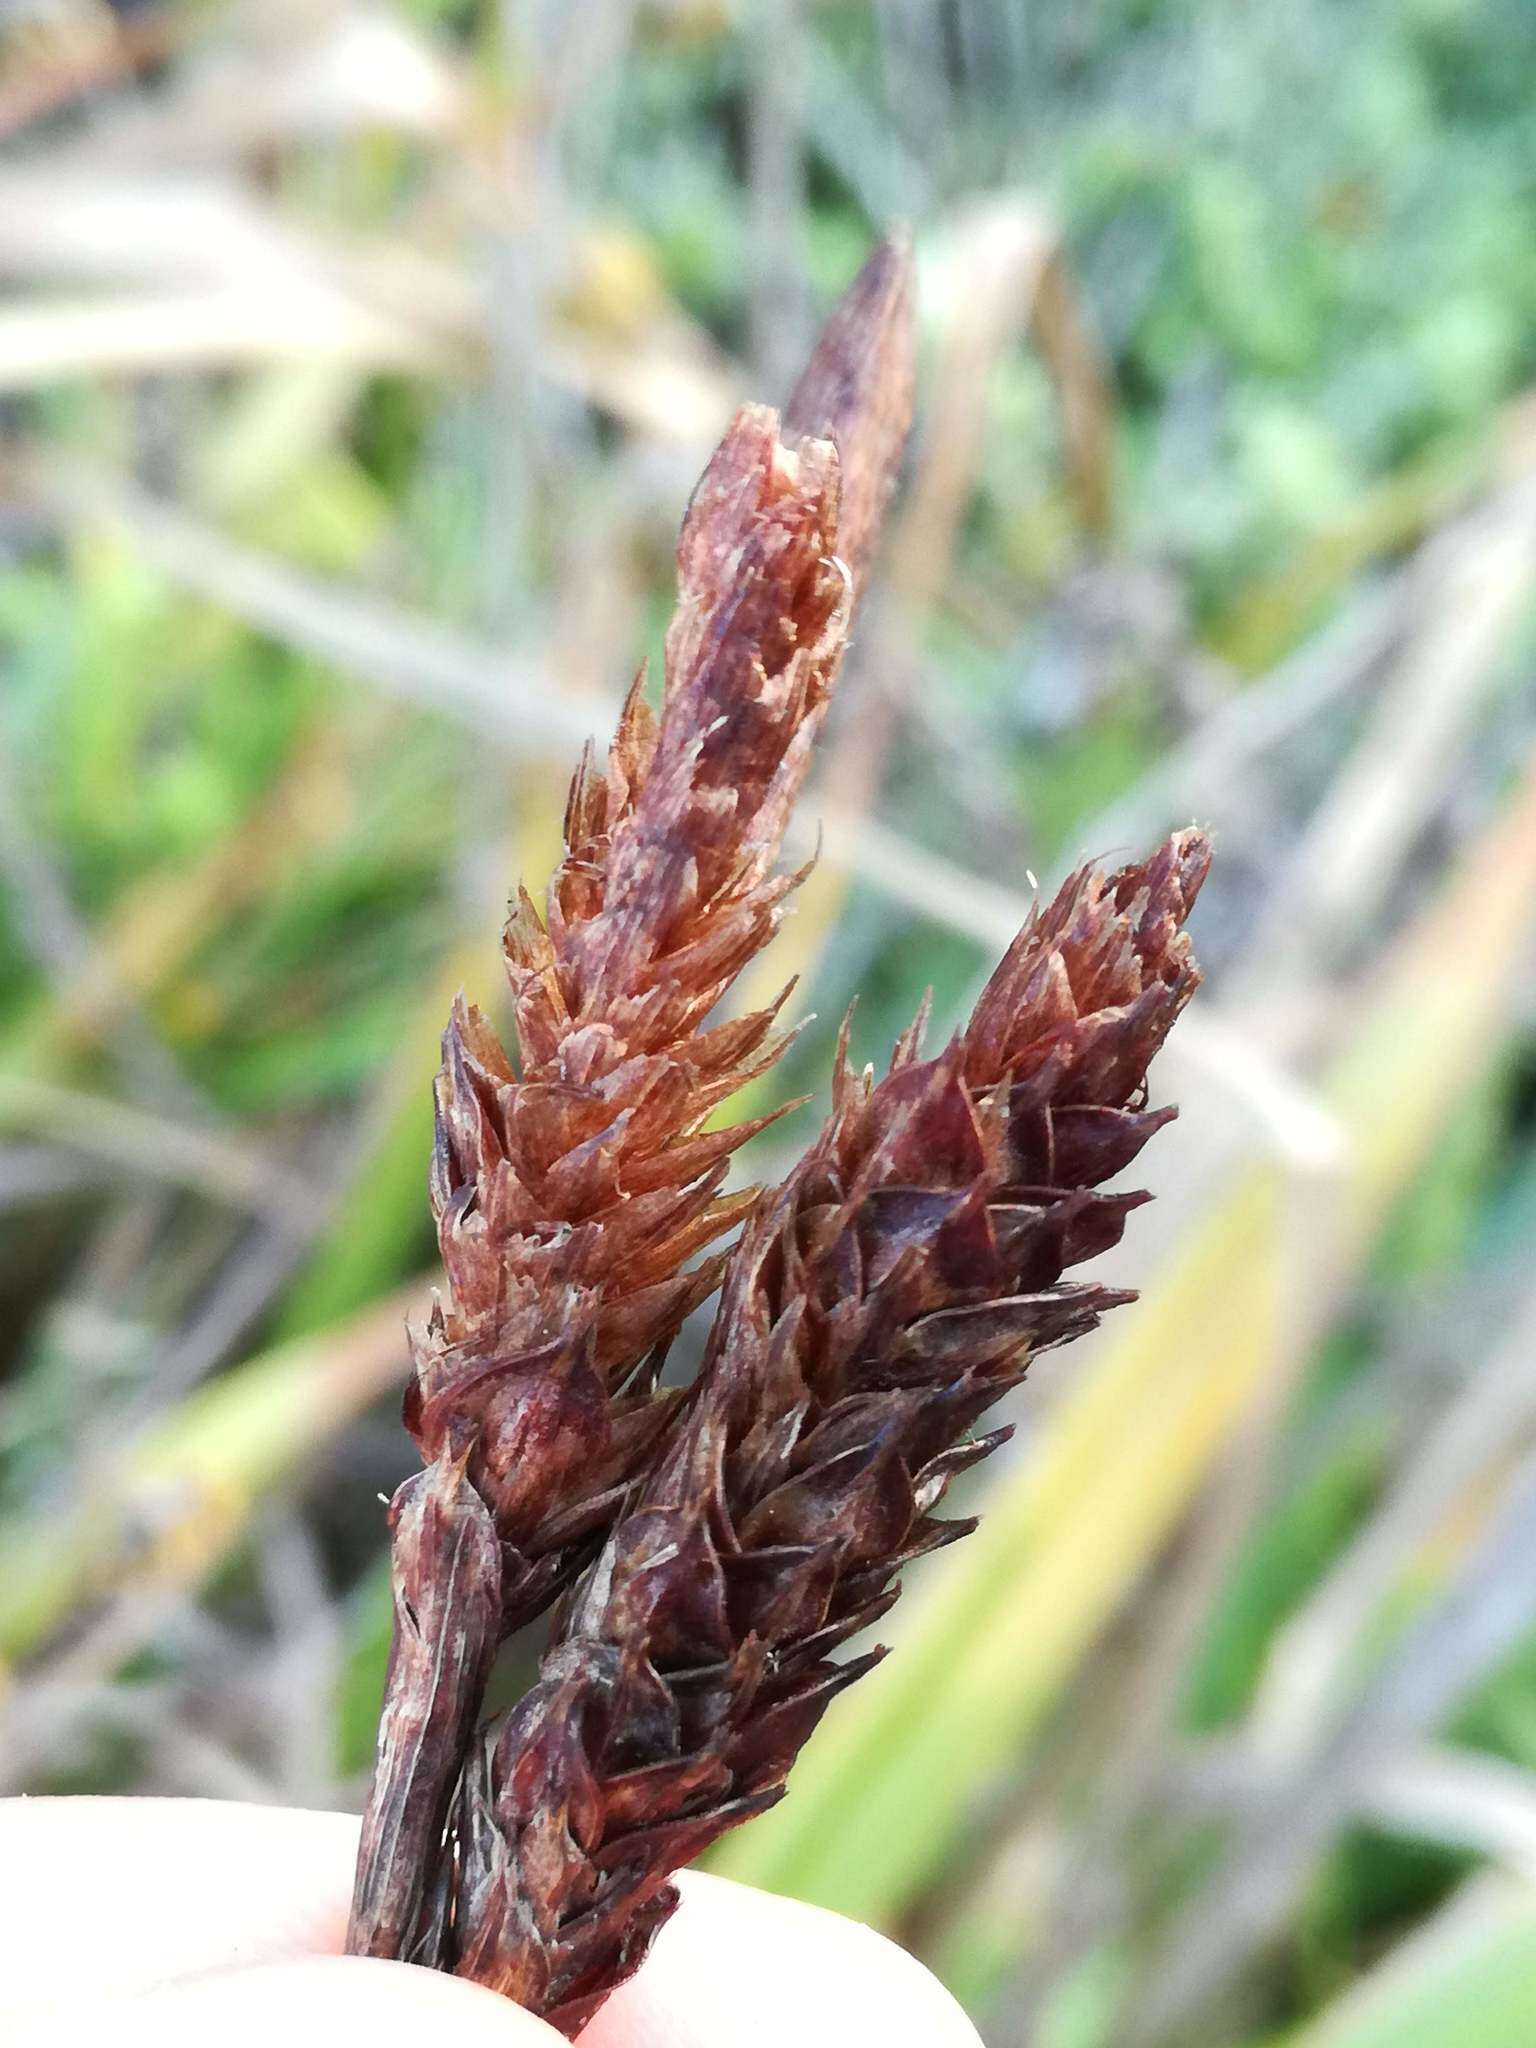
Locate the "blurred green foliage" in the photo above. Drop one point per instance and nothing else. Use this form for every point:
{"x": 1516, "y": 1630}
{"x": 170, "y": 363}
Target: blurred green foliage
{"x": 241, "y": 884}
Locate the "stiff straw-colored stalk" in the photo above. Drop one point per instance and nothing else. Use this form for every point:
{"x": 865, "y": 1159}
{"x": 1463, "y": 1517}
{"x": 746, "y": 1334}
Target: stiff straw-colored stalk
{"x": 893, "y": 1289}
{"x": 572, "y": 1191}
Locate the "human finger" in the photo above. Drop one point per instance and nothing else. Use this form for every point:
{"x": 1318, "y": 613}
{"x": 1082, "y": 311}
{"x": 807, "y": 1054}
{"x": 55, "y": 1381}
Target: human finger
{"x": 738, "y": 1968}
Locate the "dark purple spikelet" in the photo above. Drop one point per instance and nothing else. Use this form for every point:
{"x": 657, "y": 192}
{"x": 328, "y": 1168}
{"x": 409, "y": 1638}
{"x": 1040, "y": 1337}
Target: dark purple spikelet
{"x": 881, "y": 1300}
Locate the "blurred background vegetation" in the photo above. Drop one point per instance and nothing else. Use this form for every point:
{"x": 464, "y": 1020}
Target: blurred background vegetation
{"x": 354, "y": 367}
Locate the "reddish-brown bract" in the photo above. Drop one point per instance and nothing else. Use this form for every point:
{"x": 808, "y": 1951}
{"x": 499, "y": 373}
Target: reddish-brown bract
{"x": 571, "y": 1194}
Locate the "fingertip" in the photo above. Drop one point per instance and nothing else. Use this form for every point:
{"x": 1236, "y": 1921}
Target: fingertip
{"x": 313, "y": 2002}
{"x": 167, "y": 1888}
{"x": 736, "y": 1966}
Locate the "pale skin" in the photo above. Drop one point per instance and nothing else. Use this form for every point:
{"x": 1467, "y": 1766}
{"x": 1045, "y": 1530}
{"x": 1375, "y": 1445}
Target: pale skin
{"x": 182, "y": 1922}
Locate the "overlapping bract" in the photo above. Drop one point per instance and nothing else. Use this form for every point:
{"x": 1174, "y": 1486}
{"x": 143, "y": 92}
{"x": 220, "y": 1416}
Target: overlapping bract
{"x": 881, "y": 1300}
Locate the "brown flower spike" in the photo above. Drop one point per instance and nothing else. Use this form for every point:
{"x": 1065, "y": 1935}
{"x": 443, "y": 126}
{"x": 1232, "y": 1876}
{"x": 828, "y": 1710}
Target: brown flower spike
{"x": 896, "y": 1285}
{"x": 570, "y": 1196}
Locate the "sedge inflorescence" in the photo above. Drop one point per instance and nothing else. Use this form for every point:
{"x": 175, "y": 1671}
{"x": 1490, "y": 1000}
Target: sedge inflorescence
{"x": 712, "y": 1549}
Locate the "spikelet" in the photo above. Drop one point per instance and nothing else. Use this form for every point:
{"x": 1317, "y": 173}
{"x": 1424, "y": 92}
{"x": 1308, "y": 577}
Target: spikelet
{"x": 571, "y": 1192}
{"x": 890, "y": 1292}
